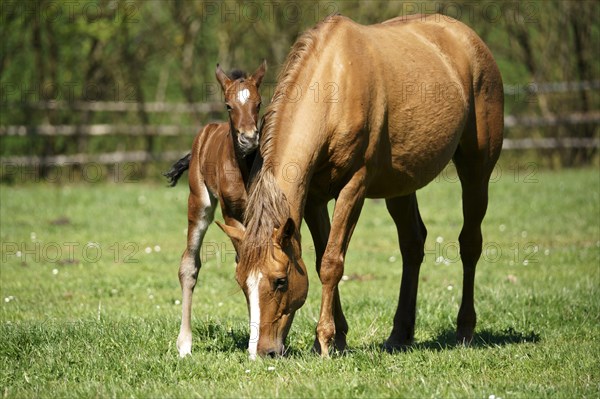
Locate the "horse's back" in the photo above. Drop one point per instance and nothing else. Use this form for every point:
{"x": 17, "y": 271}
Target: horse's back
{"x": 469, "y": 57}
{"x": 419, "y": 75}
{"x": 207, "y": 150}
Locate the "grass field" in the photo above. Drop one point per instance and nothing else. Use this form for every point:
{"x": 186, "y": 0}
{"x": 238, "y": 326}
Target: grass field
{"x": 90, "y": 295}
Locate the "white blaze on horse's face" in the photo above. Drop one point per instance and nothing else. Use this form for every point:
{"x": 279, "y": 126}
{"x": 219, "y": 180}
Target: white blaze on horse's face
{"x": 243, "y": 96}
{"x": 275, "y": 284}
{"x": 252, "y": 285}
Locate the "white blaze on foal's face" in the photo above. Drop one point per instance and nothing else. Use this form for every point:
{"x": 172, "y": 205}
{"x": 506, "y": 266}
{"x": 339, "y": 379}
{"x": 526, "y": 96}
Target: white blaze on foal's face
{"x": 252, "y": 282}
{"x": 243, "y": 96}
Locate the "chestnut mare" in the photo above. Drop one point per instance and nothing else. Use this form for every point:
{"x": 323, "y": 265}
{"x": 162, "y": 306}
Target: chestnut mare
{"x": 219, "y": 165}
{"x": 402, "y": 99}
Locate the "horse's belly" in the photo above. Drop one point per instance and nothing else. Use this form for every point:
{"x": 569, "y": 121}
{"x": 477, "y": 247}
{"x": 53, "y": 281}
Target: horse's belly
{"x": 411, "y": 166}
{"x": 389, "y": 182}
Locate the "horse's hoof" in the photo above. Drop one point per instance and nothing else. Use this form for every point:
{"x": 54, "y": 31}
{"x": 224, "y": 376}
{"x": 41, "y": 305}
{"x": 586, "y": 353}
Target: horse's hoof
{"x": 183, "y": 352}
{"x": 464, "y": 336}
{"x": 340, "y": 345}
{"x": 464, "y": 339}
{"x": 184, "y": 346}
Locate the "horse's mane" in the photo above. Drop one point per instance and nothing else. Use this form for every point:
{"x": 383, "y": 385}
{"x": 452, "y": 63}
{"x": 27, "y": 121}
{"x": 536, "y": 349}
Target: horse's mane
{"x": 302, "y": 48}
{"x": 267, "y": 208}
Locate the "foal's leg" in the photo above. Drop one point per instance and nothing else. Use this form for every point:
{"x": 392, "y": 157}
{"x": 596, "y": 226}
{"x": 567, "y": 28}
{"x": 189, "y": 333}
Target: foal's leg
{"x": 345, "y": 215}
{"x": 411, "y": 236}
{"x": 200, "y": 214}
{"x": 317, "y": 220}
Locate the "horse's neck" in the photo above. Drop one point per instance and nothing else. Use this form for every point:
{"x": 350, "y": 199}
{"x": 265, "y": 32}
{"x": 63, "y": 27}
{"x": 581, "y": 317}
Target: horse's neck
{"x": 293, "y": 158}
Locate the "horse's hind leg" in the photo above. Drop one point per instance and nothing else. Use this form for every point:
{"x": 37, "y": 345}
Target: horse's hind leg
{"x": 475, "y": 199}
{"x": 475, "y": 159}
{"x": 200, "y": 215}
{"x": 411, "y": 236}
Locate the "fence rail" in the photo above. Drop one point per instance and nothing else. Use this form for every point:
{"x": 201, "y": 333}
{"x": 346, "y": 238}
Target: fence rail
{"x": 510, "y": 121}
{"x": 207, "y": 107}
{"x": 110, "y": 158}
{"x": 98, "y": 130}
{"x": 121, "y": 106}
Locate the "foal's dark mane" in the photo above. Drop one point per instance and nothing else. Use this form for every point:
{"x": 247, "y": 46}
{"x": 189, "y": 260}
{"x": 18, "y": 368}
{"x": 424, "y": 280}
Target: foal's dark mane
{"x": 267, "y": 207}
{"x": 236, "y": 74}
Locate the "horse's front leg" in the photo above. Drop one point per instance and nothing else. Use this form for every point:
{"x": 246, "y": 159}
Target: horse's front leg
{"x": 317, "y": 220}
{"x": 200, "y": 215}
{"x": 345, "y": 215}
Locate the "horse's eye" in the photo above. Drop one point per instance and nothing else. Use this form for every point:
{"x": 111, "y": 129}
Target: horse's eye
{"x": 228, "y": 107}
{"x": 258, "y": 107}
{"x": 281, "y": 283}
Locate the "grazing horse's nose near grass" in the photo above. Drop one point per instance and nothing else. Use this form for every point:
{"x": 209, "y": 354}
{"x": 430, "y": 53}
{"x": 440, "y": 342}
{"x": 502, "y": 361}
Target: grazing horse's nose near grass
{"x": 272, "y": 352}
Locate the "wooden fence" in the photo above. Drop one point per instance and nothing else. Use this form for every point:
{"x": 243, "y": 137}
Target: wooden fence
{"x": 149, "y": 130}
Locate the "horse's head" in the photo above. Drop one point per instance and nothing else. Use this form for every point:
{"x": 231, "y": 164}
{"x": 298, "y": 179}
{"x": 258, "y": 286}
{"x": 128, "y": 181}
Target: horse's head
{"x": 243, "y": 104}
{"x": 274, "y": 280}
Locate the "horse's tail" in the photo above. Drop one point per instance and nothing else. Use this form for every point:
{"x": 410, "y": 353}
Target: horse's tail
{"x": 177, "y": 170}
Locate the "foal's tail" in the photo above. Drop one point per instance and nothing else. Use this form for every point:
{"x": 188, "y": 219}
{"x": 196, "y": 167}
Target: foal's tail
{"x": 177, "y": 170}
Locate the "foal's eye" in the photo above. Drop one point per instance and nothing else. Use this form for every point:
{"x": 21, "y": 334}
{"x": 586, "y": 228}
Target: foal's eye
{"x": 228, "y": 107}
{"x": 258, "y": 107}
{"x": 281, "y": 283}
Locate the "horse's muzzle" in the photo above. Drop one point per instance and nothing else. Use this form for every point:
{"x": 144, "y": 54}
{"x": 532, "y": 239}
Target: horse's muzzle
{"x": 272, "y": 352}
{"x": 248, "y": 143}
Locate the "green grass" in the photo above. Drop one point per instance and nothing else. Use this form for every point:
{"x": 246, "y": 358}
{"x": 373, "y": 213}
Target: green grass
{"x": 80, "y": 323}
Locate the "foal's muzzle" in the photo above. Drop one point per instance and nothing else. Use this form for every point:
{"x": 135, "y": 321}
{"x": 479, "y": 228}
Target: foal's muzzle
{"x": 248, "y": 142}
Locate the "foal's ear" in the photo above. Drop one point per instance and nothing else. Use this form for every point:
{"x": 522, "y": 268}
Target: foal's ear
{"x": 258, "y": 75}
{"x": 222, "y": 78}
{"x": 236, "y": 235}
{"x": 284, "y": 234}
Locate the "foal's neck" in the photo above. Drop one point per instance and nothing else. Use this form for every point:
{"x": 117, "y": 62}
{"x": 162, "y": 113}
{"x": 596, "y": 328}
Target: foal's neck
{"x": 245, "y": 164}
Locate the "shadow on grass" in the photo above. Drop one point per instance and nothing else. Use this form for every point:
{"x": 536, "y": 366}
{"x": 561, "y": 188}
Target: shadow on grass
{"x": 215, "y": 337}
{"x": 483, "y": 339}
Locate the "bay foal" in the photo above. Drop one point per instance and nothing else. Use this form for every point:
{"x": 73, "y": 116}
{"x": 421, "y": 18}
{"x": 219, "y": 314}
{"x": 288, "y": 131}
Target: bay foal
{"x": 219, "y": 170}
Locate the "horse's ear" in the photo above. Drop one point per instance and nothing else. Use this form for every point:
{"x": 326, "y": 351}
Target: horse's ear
{"x": 284, "y": 234}
{"x": 236, "y": 235}
{"x": 224, "y": 81}
{"x": 258, "y": 75}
